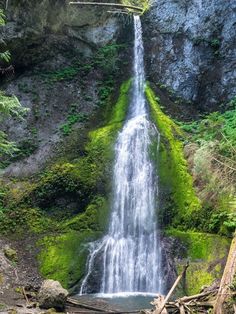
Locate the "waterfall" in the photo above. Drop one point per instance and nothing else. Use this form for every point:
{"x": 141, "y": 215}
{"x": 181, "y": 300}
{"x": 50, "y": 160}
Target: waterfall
{"x": 131, "y": 251}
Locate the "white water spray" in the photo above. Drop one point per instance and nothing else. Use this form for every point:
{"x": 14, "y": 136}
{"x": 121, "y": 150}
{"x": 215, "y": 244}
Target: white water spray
{"x": 131, "y": 252}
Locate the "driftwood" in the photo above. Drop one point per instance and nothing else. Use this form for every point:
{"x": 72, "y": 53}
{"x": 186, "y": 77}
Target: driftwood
{"x": 199, "y": 303}
{"x": 159, "y": 311}
{"x": 25, "y": 295}
{"x": 112, "y": 5}
{"x": 227, "y": 279}
{"x": 202, "y": 302}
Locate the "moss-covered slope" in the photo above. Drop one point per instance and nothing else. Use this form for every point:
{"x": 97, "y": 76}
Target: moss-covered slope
{"x": 63, "y": 257}
{"x": 180, "y": 199}
{"x": 180, "y": 206}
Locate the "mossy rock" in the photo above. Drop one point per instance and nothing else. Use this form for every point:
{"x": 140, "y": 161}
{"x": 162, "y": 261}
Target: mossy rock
{"x": 175, "y": 180}
{"x": 94, "y": 218}
{"x": 63, "y": 257}
{"x": 207, "y": 255}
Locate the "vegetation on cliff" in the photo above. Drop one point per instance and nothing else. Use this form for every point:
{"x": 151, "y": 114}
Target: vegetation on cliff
{"x": 9, "y": 106}
{"x": 83, "y": 186}
{"x": 210, "y": 149}
{"x": 175, "y": 179}
{"x": 199, "y": 158}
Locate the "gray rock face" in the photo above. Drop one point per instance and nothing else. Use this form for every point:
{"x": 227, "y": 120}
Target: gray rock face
{"x": 191, "y": 48}
{"x": 52, "y": 295}
{"x": 46, "y": 39}
{"x": 36, "y": 30}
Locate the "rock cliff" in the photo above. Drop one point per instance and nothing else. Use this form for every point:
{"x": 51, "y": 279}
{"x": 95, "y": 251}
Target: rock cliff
{"x": 191, "y": 49}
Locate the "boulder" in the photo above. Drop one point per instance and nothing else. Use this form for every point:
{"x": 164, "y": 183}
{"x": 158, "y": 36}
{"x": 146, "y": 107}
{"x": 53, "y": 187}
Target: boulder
{"x": 52, "y": 295}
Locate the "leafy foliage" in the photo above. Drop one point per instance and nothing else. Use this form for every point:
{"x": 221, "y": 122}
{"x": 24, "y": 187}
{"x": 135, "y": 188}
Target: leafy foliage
{"x": 214, "y": 168}
{"x": 105, "y": 59}
{"x": 5, "y": 56}
{"x": 216, "y": 127}
{"x": 223, "y": 222}
{"x": 72, "y": 118}
{"x": 9, "y": 106}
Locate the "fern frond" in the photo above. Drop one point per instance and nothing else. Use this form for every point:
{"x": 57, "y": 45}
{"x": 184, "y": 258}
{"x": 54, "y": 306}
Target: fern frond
{"x": 6, "y": 56}
{"x": 10, "y": 106}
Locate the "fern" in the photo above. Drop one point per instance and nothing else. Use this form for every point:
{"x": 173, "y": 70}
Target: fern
{"x": 2, "y": 18}
{"x": 5, "y": 56}
{"x": 10, "y": 106}
{"x": 6, "y": 147}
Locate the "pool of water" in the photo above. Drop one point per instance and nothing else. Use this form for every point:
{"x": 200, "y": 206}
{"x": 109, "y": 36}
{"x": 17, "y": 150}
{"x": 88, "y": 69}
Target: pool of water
{"x": 119, "y": 301}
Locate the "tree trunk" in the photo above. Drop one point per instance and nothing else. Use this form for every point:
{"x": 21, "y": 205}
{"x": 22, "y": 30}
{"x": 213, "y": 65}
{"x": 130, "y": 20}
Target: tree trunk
{"x": 227, "y": 279}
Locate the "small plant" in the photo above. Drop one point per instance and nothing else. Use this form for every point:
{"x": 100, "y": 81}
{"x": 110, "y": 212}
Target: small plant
{"x": 107, "y": 58}
{"x": 198, "y": 40}
{"x": 215, "y": 45}
{"x": 223, "y": 221}
{"x": 64, "y": 74}
{"x": 25, "y": 148}
{"x": 71, "y": 120}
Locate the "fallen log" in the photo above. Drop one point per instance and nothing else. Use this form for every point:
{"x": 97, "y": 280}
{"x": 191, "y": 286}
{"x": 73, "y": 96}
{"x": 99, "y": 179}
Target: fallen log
{"x": 197, "y": 296}
{"x": 112, "y": 5}
{"x": 74, "y": 302}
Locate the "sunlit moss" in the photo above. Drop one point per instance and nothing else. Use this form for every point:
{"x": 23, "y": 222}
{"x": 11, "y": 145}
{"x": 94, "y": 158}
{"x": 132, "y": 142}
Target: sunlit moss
{"x": 173, "y": 169}
{"x": 64, "y": 257}
{"x": 205, "y": 253}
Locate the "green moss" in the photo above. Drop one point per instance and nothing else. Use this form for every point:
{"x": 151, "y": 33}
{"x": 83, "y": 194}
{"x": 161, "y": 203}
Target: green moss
{"x": 74, "y": 180}
{"x": 205, "y": 253}
{"x": 101, "y": 141}
{"x": 94, "y": 218}
{"x": 173, "y": 169}
{"x": 64, "y": 257}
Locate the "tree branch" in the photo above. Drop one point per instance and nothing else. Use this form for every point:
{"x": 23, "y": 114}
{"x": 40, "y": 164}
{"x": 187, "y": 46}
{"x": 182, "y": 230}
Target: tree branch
{"x": 114, "y": 5}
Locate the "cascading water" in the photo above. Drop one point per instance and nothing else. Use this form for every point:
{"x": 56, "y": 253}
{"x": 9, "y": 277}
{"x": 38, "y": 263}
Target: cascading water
{"x": 131, "y": 252}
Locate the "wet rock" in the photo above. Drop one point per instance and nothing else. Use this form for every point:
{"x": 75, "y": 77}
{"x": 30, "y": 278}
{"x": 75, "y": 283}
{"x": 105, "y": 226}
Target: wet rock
{"x": 52, "y": 295}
